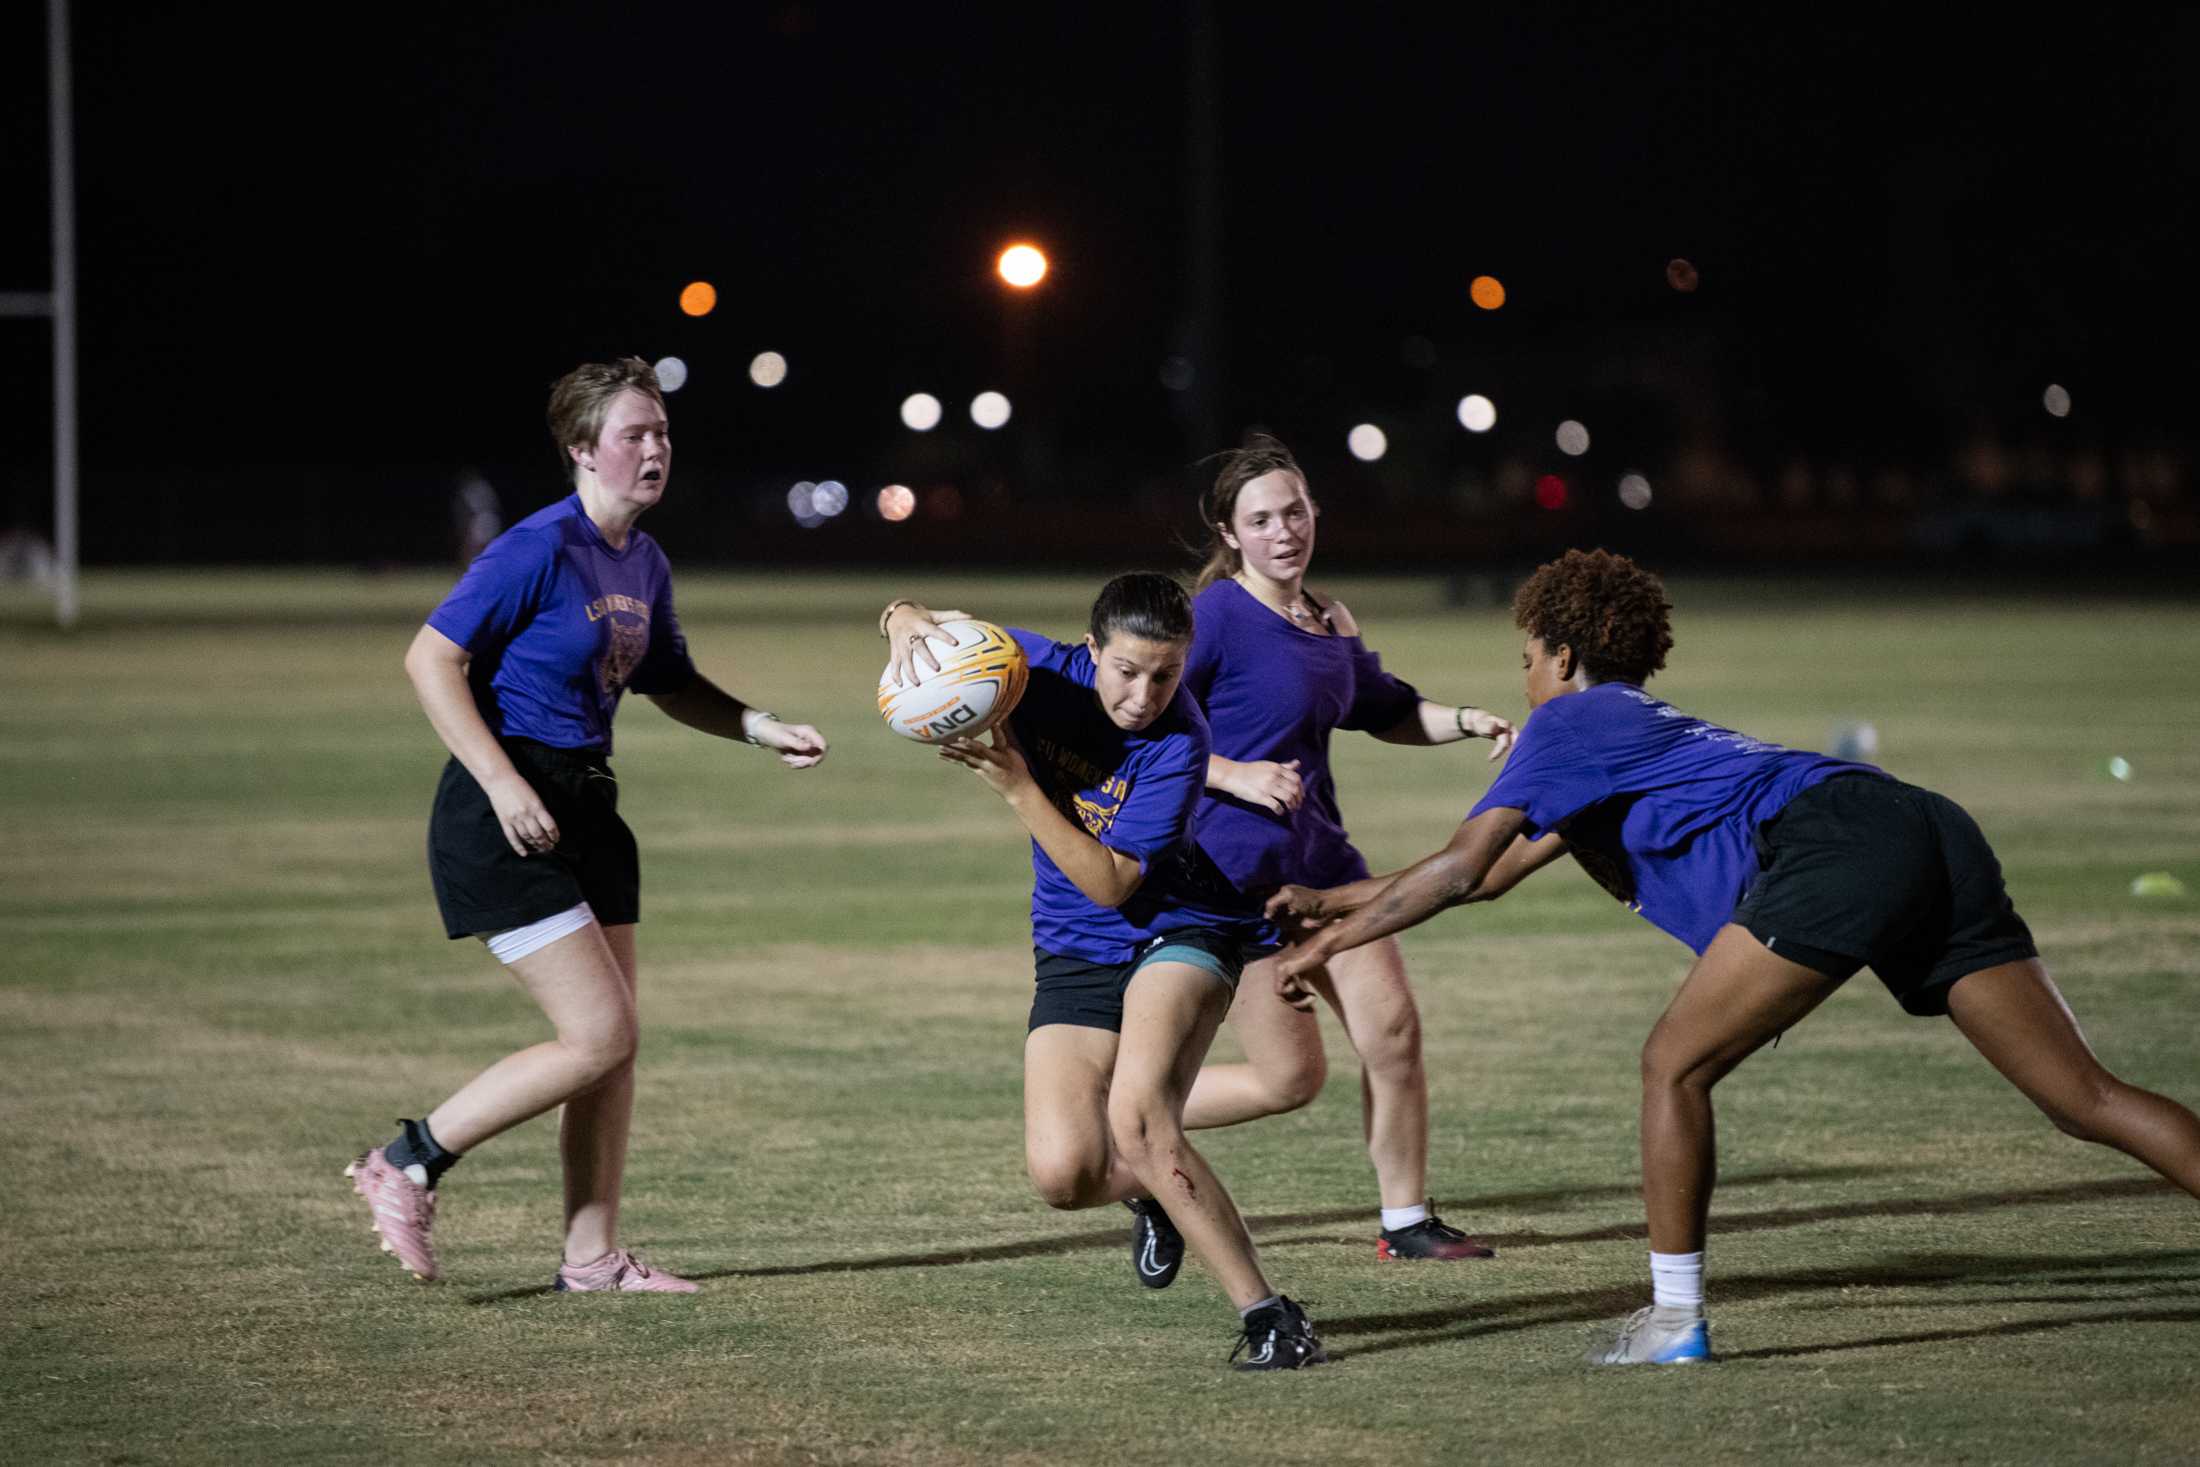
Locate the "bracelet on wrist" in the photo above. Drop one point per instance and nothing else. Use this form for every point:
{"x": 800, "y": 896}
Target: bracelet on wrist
{"x": 888, "y": 614}
{"x": 1459, "y": 721}
{"x": 751, "y": 720}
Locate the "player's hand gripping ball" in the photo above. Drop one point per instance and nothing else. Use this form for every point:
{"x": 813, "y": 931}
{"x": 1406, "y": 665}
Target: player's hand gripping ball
{"x": 980, "y": 678}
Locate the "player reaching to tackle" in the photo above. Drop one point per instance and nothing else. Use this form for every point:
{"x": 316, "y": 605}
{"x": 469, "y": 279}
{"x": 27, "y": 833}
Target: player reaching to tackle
{"x": 520, "y": 671}
{"x": 1276, "y": 670}
{"x": 1785, "y": 871}
{"x": 1137, "y": 943}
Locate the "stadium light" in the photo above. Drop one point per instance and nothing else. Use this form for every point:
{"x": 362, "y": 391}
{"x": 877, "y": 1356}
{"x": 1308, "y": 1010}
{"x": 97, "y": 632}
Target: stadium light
{"x": 896, "y": 502}
{"x": 1573, "y": 439}
{"x": 672, "y": 373}
{"x": 1022, "y": 266}
{"x": 1477, "y": 414}
{"x": 920, "y": 413}
{"x": 768, "y": 369}
{"x": 699, "y": 298}
{"x": 1367, "y": 443}
{"x": 989, "y": 410}
{"x": 1487, "y": 291}
{"x": 2056, "y": 399}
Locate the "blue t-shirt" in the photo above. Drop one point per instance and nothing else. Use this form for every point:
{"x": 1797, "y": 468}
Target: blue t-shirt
{"x": 1660, "y": 807}
{"x": 560, "y": 624}
{"x": 1133, "y": 792}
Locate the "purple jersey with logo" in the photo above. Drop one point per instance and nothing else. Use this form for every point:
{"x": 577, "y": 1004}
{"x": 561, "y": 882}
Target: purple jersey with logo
{"x": 560, "y": 624}
{"x": 1660, "y": 807}
{"x": 1133, "y": 792}
{"x": 1272, "y": 691}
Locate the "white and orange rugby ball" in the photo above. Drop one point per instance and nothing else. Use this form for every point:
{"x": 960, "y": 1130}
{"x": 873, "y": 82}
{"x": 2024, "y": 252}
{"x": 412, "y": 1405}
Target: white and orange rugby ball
{"x": 982, "y": 674}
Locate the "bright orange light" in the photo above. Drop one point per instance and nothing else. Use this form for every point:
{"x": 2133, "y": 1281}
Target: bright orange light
{"x": 1022, "y": 266}
{"x": 699, "y": 298}
{"x": 1488, "y": 293}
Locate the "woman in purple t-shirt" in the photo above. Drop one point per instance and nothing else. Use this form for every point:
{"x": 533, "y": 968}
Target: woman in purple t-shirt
{"x": 520, "y": 670}
{"x": 1785, "y": 871}
{"x": 1277, "y": 669}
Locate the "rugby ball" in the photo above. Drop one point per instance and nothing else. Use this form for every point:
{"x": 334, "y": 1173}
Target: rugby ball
{"x": 982, "y": 674}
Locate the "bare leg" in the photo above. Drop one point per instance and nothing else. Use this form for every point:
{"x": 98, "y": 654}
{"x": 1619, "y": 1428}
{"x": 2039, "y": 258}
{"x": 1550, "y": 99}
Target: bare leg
{"x": 2015, "y": 1017}
{"x": 585, "y": 994}
{"x": 1367, "y": 987}
{"x": 1067, "y": 1151}
{"x": 1736, "y": 998}
{"x": 1284, "y": 1066}
{"x": 592, "y": 1136}
{"x": 1170, "y": 1014}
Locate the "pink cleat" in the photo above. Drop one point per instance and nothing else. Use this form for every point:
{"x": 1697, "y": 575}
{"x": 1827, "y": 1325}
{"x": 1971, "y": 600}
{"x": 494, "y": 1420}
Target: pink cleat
{"x": 621, "y": 1272}
{"x": 403, "y": 1211}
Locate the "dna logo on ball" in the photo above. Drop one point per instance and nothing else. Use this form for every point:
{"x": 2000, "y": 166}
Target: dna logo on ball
{"x": 981, "y": 677}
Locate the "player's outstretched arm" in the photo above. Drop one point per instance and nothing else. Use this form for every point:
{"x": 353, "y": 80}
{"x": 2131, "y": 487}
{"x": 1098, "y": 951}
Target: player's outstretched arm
{"x": 708, "y": 708}
{"x": 1444, "y": 879}
{"x": 1441, "y": 723}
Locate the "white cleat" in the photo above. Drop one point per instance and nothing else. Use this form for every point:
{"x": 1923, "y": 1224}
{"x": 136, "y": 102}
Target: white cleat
{"x": 1654, "y": 1336}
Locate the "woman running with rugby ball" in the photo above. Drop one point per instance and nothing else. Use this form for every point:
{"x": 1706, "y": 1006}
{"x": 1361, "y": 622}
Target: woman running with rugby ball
{"x": 1785, "y": 871}
{"x": 1276, "y": 670}
{"x": 520, "y": 671}
{"x": 1136, "y": 939}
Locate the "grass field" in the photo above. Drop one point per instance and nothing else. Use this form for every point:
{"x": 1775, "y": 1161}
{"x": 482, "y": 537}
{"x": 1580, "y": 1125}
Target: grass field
{"x": 223, "y": 977}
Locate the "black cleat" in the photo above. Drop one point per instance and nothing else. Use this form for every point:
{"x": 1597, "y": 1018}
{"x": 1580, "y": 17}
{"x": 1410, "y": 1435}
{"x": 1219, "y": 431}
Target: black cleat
{"x": 1279, "y": 1337}
{"x": 1429, "y": 1238}
{"x": 1157, "y": 1248}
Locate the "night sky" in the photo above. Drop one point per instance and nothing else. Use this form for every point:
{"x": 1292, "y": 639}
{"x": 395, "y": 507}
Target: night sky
{"x": 368, "y": 238}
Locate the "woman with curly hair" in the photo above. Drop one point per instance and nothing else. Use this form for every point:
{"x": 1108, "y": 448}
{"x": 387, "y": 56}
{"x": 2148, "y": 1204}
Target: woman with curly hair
{"x": 1278, "y": 669}
{"x": 1785, "y": 871}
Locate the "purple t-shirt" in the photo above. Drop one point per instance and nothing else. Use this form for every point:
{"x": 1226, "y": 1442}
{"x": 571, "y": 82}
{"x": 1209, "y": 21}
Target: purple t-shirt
{"x": 1272, "y": 691}
{"x": 560, "y": 624}
{"x": 1133, "y": 792}
{"x": 1660, "y": 807}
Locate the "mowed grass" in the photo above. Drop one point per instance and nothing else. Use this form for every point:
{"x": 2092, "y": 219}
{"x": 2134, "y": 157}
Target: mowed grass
{"x": 223, "y": 976}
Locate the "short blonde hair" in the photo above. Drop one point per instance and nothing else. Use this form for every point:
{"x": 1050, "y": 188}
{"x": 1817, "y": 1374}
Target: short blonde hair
{"x": 582, "y": 398}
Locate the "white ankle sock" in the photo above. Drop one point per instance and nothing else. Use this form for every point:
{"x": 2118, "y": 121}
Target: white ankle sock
{"x": 1677, "y": 1279}
{"x": 1259, "y": 1304}
{"x": 1395, "y": 1218}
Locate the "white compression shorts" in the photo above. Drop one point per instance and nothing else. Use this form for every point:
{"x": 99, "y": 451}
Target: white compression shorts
{"x": 515, "y": 943}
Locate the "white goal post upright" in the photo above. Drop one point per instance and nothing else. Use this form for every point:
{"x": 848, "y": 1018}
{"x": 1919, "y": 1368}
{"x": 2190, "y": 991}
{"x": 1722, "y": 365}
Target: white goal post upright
{"x": 59, "y": 305}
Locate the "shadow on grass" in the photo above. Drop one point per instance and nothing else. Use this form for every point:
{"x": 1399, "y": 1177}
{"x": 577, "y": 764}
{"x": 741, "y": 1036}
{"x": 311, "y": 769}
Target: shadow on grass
{"x": 1118, "y": 1237}
{"x": 1727, "y": 1223}
{"x": 1904, "y": 1270}
{"x": 1264, "y": 1226}
{"x": 1985, "y": 1331}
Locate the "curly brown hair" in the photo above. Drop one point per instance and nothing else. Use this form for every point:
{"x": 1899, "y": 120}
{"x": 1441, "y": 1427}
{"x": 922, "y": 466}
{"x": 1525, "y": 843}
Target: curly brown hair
{"x": 1610, "y": 611}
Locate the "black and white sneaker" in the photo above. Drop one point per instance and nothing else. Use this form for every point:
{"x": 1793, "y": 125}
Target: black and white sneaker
{"x": 1279, "y": 1337}
{"x": 1157, "y": 1248}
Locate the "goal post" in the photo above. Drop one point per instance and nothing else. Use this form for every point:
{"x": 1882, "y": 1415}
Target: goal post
{"x": 58, "y": 306}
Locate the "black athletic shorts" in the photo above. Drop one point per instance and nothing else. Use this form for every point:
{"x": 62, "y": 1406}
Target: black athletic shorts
{"x": 482, "y": 885}
{"x": 1864, "y": 870}
{"x": 1079, "y": 991}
